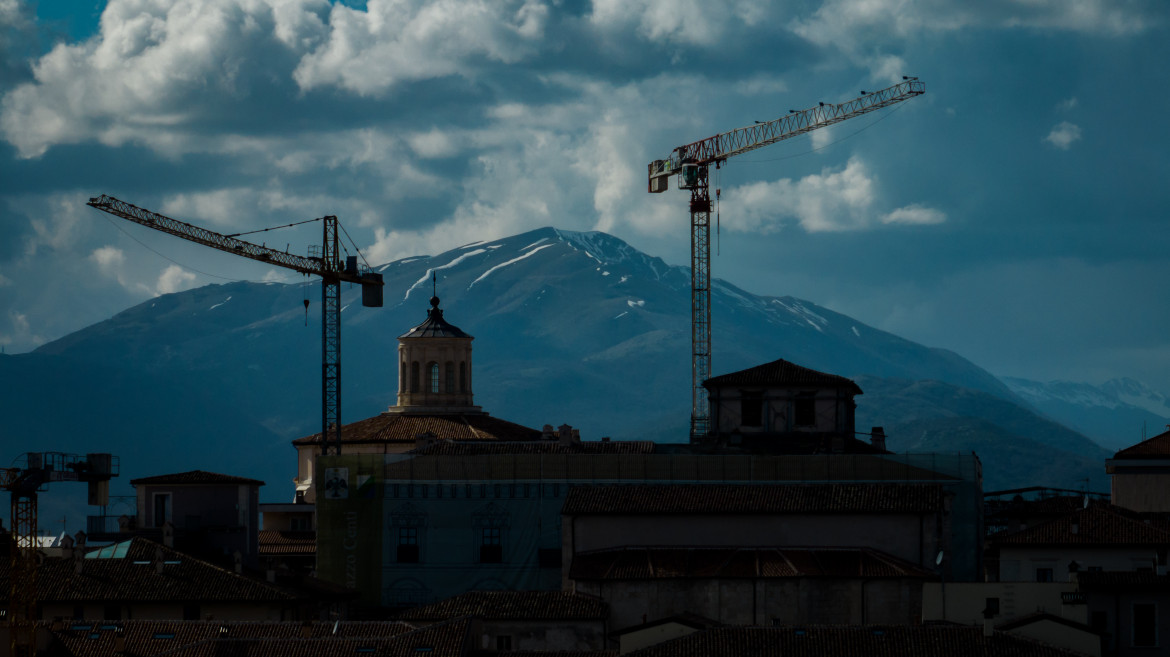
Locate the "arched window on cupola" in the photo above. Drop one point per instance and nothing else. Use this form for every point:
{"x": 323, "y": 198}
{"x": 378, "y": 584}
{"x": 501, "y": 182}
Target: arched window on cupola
{"x": 402, "y": 384}
{"x": 414, "y": 376}
{"x": 463, "y": 377}
{"x": 433, "y": 369}
{"x": 449, "y": 377}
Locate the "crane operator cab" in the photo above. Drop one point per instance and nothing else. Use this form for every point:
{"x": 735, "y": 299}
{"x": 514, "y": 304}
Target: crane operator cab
{"x": 689, "y": 177}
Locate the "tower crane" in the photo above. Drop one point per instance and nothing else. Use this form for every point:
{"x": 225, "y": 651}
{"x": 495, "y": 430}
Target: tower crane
{"x": 325, "y": 263}
{"x": 23, "y": 484}
{"x": 691, "y": 162}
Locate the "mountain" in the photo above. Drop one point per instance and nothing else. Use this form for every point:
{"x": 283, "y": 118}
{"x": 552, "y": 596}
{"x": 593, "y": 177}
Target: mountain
{"x": 1016, "y": 446}
{"x": 570, "y": 327}
{"x": 1116, "y": 414}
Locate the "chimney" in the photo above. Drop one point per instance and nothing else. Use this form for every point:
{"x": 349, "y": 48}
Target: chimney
{"x": 124, "y": 523}
{"x": 67, "y": 547}
{"x": 238, "y": 561}
{"x": 605, "y": 439}
{"x": 877, "y": 438}
{"x": 568, "y": 435}
{"x": 79, "y": 540}
{"x": 547, "y": 433}
{"x": 120, "y": 640}
{"x": 989, "y": 613}
{"x": 168, "y": 532}
{"x": 158, "y": 560}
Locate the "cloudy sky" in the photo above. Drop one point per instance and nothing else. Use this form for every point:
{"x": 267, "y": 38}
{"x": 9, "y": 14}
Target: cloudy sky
{"x": 1016, "y": 213}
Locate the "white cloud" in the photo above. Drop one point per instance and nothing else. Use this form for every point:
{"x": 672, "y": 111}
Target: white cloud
{"x": 833, "y": 200}
{"x": 152, "y": 69}
{"x": 173, "y": 279}
{"x": 864, "y": 29}
{"x": 690, "y": 22}
{"x": 369, "y": 51}
{"x": 20, "y": 331}
{"x": 109, "y": 259}
{"x": 829, "y": 201}
{"x": 1067, "y": 104}
{"x": 1063, "y": 135}
{"x": 914, "y": 214}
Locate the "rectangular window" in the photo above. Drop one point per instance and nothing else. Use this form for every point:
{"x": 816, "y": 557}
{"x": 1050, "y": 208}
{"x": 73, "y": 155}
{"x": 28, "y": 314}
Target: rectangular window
{"x": 503, "y": 642}
{"x": 497, "y": 491}
{"x": 298, "y": 524}
{"x": 490, "y": 548}
{"x": 804, "y": 410}
{"x": 1043, "y": 574}
{"x": 751, "y": 409}
{"x": 162, "y": 509}
{"x": 1145, "y": 630}
{"x": 439, "y": 490}
{"x": 408, "y": 545}
{"x": 396, "y": 490}
{"x": 425, "y": 490}
{"x": 549, "y": 557}
{"x": 191, "y": 611}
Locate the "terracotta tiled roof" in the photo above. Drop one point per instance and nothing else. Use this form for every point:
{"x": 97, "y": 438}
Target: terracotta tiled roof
{"x": 1041, "y": 616}
{"x": 129, "y": 574}
{"x": 870, "y": 640}
{"x": 513, "y": 605}
{"x": 475, "y": 448}
{"x": 753, "y": 499}
{"x": 1157, "y": 447}
{"x": 274, "y": 542}
{"x": 195, "y": 477}
{"x": 1099, "y": 525}
{"x": 147, "y": 637}
{"x": 405, "y": 427}
{"x": 1123, "y": 581}
{"x": 543, "y": 653}
{"x": 739, "y": 563}
{"x": 782, "y": 373}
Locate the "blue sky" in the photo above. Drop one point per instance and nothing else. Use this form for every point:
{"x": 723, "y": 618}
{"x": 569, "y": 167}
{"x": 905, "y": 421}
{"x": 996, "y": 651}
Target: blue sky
{"x": 1015, "y": 214}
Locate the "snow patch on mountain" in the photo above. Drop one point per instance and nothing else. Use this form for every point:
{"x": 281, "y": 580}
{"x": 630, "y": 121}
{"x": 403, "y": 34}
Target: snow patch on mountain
{"x": 543, "y": 239}
{"x": 505, "y": 264}
{"x": 449, "y": 265}
{"x": 220, "y": 303}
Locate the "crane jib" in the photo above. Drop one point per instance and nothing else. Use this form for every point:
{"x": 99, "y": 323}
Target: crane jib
{"x": 742, "y": 140}
{"x": 192, "y": 233}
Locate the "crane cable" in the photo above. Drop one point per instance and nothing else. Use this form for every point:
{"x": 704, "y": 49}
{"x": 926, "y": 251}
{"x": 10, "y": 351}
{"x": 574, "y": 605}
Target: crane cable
{"x": 172, "y": 260}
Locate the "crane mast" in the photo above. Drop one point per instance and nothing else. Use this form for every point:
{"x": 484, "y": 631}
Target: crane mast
{"x": 690, "y": 162}
{"x": 22, "y": 484}
{"x": 327, "y": 264}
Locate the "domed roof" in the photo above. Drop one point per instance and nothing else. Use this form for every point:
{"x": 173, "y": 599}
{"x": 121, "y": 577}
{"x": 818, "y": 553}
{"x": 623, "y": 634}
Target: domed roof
{"x": 435, "y": 326}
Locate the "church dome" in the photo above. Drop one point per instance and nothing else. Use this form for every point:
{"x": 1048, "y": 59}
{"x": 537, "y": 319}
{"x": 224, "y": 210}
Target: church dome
{"x": 435, "y": 326}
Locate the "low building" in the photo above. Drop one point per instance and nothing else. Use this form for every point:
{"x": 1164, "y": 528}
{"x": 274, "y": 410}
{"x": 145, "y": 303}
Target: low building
{"x": 141, "y": 579}
{"x": 831, "y": 641}
{"x": 144, "y": 638}
{"x": 214, "y": 516}
{"x": 551, "y": 621}
{"x": 781, "y": 407}
{"x": 1130, "y": 610}
{"x": 1099, "y": 537}
{"x": 1140, "y": 475}
{"x": 753, "y": 554}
